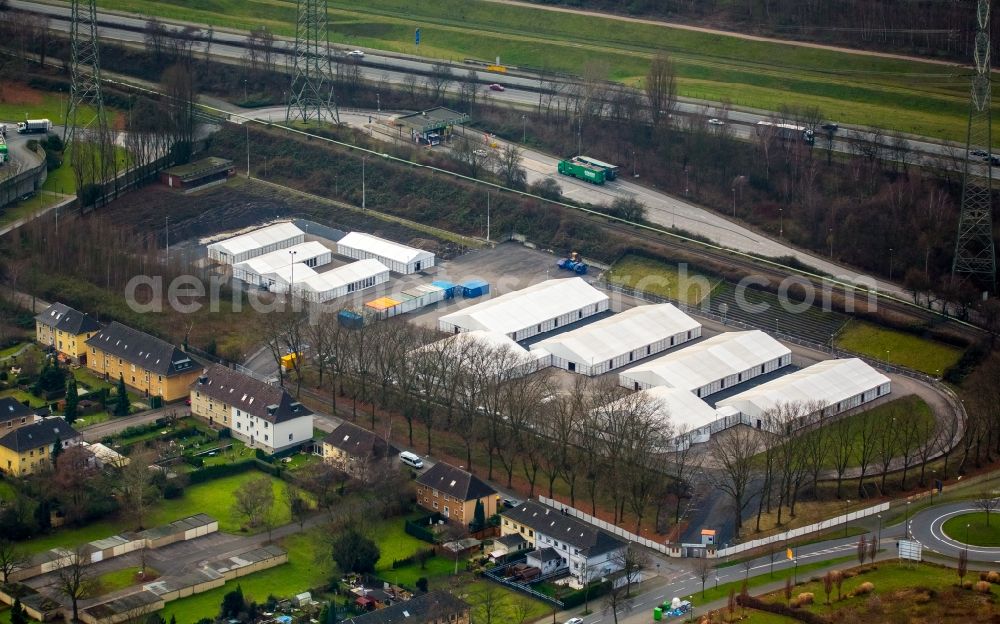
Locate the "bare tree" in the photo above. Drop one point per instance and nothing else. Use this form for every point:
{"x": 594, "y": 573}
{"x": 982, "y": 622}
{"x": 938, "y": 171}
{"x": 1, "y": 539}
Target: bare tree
{"x": 963, "y": 564}
{"x": 155, "y": 36}
{"x": 616, "y": 600}
{"x": 702, "y": 569}
{"x": 298, "y": 504}
{"x": 734, "y": 451}
{"x": 254, "y": 501}
{"x": 631, "y": 560}
{"x": 468, "y": 89}
{"x": 987, "y": 501}
{"x": 842, "y": 444}
{"x": 828, "y": 584}
{"x": 439, "y": 79}
{"x": 661, "y": 87}
{"x": 12, "y": 558}
{"x": 490, "y": 607}
{"x": 867, "y": 445}
{"x": 322, "y": 481}
{"x": 510, "y": 169}
{"x": 178, "y": 84}
{"x": 862, "y": 550}
{"x": 887, "y": 436}
{"x": 76, "y": 580}
{"x": 134, "y": 486}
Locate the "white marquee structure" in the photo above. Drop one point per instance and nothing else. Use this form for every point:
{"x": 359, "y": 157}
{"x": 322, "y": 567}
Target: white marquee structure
{"x": 342, "y": 281}
{"x": 719, "y": 362}
{"x": 517, "y": 359}
{"x": 274, "y": 270}
{"x": 530, "y": 311}
{"x": 399, "y": 258}
{"x": 621, "y": 339}
{"x": 832, "y": 386}
{"x": 256, "y": 243}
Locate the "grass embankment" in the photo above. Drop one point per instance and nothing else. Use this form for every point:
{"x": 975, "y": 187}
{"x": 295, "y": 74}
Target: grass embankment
{"x": 906, "y": 593}
{"x": 661, "y": 279}
{"x": 898, "y": 348}
{"x": 910, "y": 96}
{"x": 978, "y": 532}
{"x": 713, "y": 593}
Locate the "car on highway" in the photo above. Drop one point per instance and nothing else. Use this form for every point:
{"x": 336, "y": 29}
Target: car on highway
{"x": 830, "y": 127}
{"x": 978, "y": 153}
{"x": 716, "y": 122}
{"x": 575, "y": 620}
{"x": 356, "y": 54}
{"x": 497, "y": 87}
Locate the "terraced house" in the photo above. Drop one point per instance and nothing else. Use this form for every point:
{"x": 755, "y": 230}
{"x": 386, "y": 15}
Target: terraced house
{"x": 453, "y": 493}
{"x": 257, "y": 413}
{"x": 14, "y": 414}
{"x": 148, "y": 364}
{"x": 66, "y": 330}
{"x": 355, "y": 450}
{"x": 28, "y": 448}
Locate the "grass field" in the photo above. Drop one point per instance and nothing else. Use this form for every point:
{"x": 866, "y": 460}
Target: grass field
{"x": 120, "y": 579}
{"x": 11, "y": 350}
{"x": 661, "y": 279}
{"x": 978, "y": 533}
{"x": 6, "y": 491}
{"x": 713, "y": 593}
{"x": 900, "y": 348}
{"x": 21, "y": 396}
{"x": 907, "y": 593}
{"x": 214, "y": 498}
{"x": 909, "y": 96}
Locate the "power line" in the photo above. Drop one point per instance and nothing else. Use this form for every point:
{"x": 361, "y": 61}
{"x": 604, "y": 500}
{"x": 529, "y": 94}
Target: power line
{"x": 311, "y": 94}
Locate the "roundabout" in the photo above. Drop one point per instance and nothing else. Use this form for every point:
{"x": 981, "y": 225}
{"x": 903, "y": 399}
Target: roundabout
{"x": 942, "y": 529}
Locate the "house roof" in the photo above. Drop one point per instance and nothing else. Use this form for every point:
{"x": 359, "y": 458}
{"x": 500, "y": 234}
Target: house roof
{"x": 382, "y": 248}
{"x": 545, "y": 554}
{"x": 455, "y": 482}
{"x": 10, "y": 409}
{"x": 520, "y": 309}
{"x": 41, "y": 433}
{"x": 420, "y": 609}
{"x": 357, "y": 441}
{"x": 514, "y": 539}
{"x": 200, "y": 168}
{"x": 708, "y": 361}
{"x": 141, "y": 349}
{"x": 622, "y": 333}
{"x": 250, "y": 395}
{"x": 64, "y": 318}
{"x": 821, "y": 385}
{"x": 553, "y": 523}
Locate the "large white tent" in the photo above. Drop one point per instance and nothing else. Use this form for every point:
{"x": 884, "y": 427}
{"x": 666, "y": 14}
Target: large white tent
{"x": 714, "y": 364}
{"x": 530, "y": 311}
{"x": 256, "y": 243}
{"x": 274, "y": 270}
{"x": 474, "y": 345}
{"x": 829, "y": 387}
{"x": 621, "y": 339}
{"x": 350, "y": 278}
{"x": 399, "y": 258}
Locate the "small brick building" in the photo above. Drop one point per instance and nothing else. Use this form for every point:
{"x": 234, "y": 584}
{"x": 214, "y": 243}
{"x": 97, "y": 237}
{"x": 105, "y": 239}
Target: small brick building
{"x": 198, "y": 173}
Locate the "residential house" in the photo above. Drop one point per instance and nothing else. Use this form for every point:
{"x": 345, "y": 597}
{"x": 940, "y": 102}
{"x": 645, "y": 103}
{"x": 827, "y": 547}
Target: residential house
{"x": 510, "y": 544}
{"x": 65, "y": 330}
{"x": 28, "y": 448}
{"x": 560, "y": 541}
{"x": 354, "y": 449}
{"x": 454, "y": 492}
{"x": 14, "y": 414}
{"x": 261, "y": 415}
{"x": 148, "y": 364}
{"x": 436, "y": 607}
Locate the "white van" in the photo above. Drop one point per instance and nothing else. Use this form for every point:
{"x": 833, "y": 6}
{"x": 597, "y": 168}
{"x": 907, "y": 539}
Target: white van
{"x": 411, "y": 459}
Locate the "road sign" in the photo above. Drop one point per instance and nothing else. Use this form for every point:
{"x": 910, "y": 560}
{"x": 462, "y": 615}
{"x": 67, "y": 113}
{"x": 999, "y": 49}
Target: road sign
{"x": 911, "y": 550}
{"x": 416, "y": 36}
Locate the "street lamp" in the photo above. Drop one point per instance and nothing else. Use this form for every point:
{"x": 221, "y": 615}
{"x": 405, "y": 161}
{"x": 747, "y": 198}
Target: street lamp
{"x": 734, "y": 201}
{"x": 291, "y": 278}
{"x": 967, "y": 540}
{"x": 524, "y": 128}
{"x": 879, "y": 534}
{"x": 890, "y": 264}
{"x": 847, "y": 506}
{"x": 244, "y": 91}
{"x": 246, "y": 124}
{"x": 378, "y": 104}
{"x": 781, "y": 223}
{"x": 906, "y": 521}
{"x": 831, "y": 242}
{"x": 363, "y": 159}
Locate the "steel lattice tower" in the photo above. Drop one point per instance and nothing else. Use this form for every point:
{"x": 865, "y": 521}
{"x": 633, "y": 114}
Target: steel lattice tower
{"x": 85, "y": 70}
{"x": 311, "y": 94}
{"x": 975, "y": 255}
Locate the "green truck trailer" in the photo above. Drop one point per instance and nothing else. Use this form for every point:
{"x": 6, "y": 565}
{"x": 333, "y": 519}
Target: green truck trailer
{"x": 594, "y": 175}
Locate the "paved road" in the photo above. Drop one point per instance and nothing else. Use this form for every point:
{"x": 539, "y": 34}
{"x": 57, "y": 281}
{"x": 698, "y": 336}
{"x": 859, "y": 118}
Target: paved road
{"x": 926, "y": 528}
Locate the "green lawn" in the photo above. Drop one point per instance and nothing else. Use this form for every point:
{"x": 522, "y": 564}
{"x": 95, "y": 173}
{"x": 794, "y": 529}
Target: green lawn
{"x": 120, "y": 579}
{"x": 92, "y": 419}
{"x": 11, "y": 350}
{"x": 713, "y": 593}
{"x": 899, "y": 348}
{"x": 660, "y": 278}
{"x": 26, "y": 208}
{"x": 979, "y": 534}
{"x": 394, "y": 542}
{"x": 436, "y": 568}
{"x": 213, "y": 498}
{"x": 301, "y": 573}
{"x": 51, "y": 106}
{"x": 850, "y": 88}
{"x": 7, "y": 492}
{"x": 471, "y": 592}
{"x": 21, "y": 396}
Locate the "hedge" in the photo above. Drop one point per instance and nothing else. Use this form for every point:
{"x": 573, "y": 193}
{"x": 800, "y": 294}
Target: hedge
{"x": 580, "y": 596}
{"x": 781, "y": 609}
{"x": 418, "y": 528}
{"x": 221, "y": 470}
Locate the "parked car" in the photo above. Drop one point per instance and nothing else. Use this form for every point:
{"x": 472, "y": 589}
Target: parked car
{"x": 716, "y": 122}
{"x": 481, "y": 153}
{"x": 497, "y": 87}
{"x": 574, "y": 621}
{"x": 830, "y": 127}
{"x": 356, "y": 54}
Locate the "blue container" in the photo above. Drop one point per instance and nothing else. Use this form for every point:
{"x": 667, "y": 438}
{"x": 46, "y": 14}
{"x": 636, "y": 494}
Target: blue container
{"x": 475, "y": 288}
{"x": 580, "y": 268}
{"x": 350, "y": 320}
{"x": 447, "y": 287}
{"x": 565, "y": 264}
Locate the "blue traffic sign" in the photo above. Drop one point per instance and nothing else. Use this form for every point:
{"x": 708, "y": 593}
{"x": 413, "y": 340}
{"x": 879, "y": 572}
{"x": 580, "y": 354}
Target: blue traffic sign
{"x": 416, "y": 36}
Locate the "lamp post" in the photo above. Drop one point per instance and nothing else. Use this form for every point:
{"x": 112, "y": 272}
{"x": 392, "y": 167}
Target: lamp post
{"x": 524, "y": 128}
{"x": 781, "y": 223}
{"x": 890, "y": 264}
{"x": 831, "y": 242}
{"x": 967, "y": 525}
{"x": 687, "y": 187}
{"x": 906, "y": 521}
{"x": 246, "y": 124}
{"x": 847, "y": 506}
{"x": 244, "y": 90}
{"x": 378, "y": 105}
{"x": 734, "y": 201}
{"x": 291, "y": 278}
{"x": 363, "y": 203}
{"x": 878, "y": 537}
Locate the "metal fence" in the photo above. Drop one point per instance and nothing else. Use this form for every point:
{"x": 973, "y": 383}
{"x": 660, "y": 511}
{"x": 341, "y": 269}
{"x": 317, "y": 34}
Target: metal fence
{"x": 494, "y": 574}
{"x": 606, "y": 526}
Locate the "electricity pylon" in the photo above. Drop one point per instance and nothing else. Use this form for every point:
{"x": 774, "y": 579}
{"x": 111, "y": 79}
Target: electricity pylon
{"x": 311, "y": 94}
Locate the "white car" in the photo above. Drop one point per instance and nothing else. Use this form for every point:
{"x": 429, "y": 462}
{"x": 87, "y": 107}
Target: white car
{"x": 574, "y": 621}
{"x": 356, "y": 54}
{"x": 716, "y": 122}
{"x": 481, "y": 153}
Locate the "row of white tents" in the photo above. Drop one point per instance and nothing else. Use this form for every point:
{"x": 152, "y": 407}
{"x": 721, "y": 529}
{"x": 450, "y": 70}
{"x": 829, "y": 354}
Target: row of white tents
{"x": 679, "y": 380}
{"x": 277, "y": 258}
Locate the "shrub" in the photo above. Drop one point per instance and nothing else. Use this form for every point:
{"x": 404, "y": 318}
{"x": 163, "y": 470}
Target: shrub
{"x": 849, "y": 573}
{"x": 983, "y": 587}
{"x": 805, "y": 598}
{"x": 993, "y": 577}
{"x": 864, "y": 588}
{"x": 967, "y": 585}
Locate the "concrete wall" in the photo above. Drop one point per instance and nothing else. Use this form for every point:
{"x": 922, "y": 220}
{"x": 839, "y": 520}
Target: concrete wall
{"x": 28, "y": 181}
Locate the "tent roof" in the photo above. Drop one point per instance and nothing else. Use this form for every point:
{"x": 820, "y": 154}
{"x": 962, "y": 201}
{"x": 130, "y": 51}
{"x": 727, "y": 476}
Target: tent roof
{"x": 282, "y": 258}
{"x": 526, "y": 307}
{"x": 342, "y": 276}
{"x": 258, "y": 238}
{"x": 715, "y": 358}
{"x": 826, "y": 383}
{"x": 618, "y": 334}
{"x": 383, "y": 248}
{"x": 489, "y": 340}
{"x": 681, "y": 408}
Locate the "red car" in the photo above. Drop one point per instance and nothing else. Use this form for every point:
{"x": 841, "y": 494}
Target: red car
{"x": 497, "y": 87}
